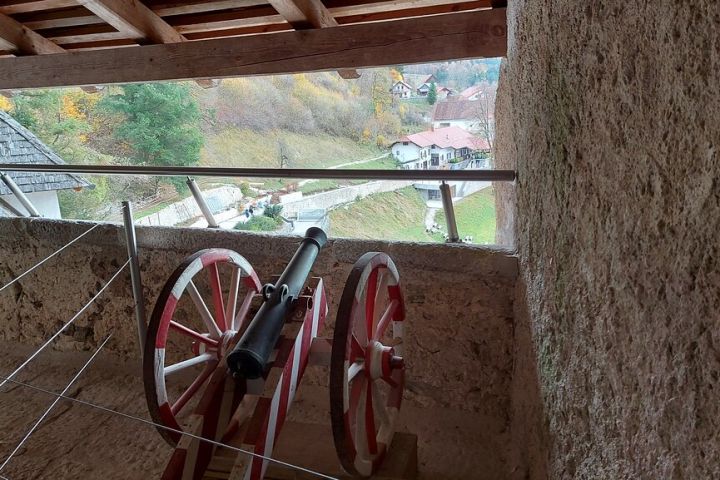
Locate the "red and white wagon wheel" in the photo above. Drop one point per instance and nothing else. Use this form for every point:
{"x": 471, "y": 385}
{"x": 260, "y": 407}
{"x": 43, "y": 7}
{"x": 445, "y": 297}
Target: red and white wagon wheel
{"x": 183, "y": 326}
{"x": 367, "y": 372}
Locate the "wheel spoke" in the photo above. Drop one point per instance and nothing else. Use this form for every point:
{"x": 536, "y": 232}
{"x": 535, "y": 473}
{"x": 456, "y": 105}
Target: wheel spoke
{"x": 231, "y": 304}
{"x": 385, "y": 319}
{"x": 217, "y": 296}
{"x": 354, "y": 369}
{"x": 193, "y": 334}
{"x": 193, "y": 388}
{"x": 369, "y": 296}
{"x": 190, "y": 362}
{"x": 380, "y": 295}
{"x": 242, "y": 313}
{"x": 359, "y": 326}
{"x": 370, "y": 419}
{"x": 361, "y": 442}
{"x": 356, "y": 349}
{"x": 203, "y": 310}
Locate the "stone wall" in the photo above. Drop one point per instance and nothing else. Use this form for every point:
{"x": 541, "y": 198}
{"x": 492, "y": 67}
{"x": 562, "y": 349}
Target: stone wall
{"x": 459, "y": 343}
{"x": 611, "y": 110}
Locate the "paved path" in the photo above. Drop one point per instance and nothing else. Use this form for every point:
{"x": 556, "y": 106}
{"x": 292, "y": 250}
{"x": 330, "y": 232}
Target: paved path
{"x": 430, "y": 216}
{"x": 335, "y": 167}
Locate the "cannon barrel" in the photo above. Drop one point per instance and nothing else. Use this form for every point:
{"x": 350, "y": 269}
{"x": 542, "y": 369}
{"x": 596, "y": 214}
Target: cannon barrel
{"x": 250, "y": 356}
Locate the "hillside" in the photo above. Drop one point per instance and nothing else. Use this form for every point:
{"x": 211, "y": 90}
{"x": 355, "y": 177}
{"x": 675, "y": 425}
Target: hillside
{"x": 475, "y": 216}
{"x": 395, "y": 215}
{"x": 232, "y": 147}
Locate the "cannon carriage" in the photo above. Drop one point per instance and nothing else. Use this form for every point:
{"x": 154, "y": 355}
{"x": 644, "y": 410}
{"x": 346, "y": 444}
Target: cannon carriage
{"x": 220, "y": 384}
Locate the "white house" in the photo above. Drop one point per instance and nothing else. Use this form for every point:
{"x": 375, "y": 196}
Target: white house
{"x": 401, "y": 90}
{"x": 459, "y": 112}
{"x": 436, "y": 148}
{"x": 19, "y": 145}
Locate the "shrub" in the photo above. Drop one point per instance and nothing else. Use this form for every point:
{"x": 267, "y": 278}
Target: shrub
{"x": 273, "y": 211}
{"x": 258, "y": 224}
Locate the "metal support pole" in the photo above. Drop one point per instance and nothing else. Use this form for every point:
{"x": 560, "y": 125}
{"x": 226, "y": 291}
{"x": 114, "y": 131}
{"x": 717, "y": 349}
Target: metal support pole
{"x": 453, "y": 236}
{"x": 135, "y": 278}
{"x": 7, "y": 206}
{"x": 197, "y": 194}
{"x": 26, "y": 203}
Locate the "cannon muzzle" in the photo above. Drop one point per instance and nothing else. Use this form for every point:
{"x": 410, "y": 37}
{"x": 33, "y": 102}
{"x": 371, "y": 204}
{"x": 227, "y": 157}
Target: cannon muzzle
{"x": 250, "y": 356}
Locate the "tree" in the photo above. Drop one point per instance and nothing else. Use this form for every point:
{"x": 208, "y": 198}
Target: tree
{"x": 484, "y": 108}
{"x": 432, "y": 94}
{"x": 161, "y": 125}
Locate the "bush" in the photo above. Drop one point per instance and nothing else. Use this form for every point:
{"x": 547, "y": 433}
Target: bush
{"x": 273, "y": 211}
{"x": 258, "y": 224}
{"x": 246, "y": 190}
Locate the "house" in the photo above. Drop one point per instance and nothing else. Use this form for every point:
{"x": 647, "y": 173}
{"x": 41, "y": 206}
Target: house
{"x": 401, "y": 90}
{"x": 458, "y": 111}
{"x": 424, "y": 88}
{"x": 479, "y": 91}
{"x": 436, "y": 148}
{"x": 444, "y": 92}
{"x": 19, "y": 145}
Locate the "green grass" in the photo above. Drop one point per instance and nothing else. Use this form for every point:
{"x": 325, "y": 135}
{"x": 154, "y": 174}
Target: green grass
{"x": 319, "y": 186}
{"x": 385, "y": 163}
{"x": 246, "y": 148}
{"x": 153, "y": 208}
{"x": 475, "y": 216}
{"x": 397, "y": 215}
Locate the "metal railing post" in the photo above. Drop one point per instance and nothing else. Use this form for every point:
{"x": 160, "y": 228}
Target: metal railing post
{"x": 453, "y": 236}
{"x": 26, "y": 203}
{"x": 197, "y": 194}
{"x": 135, "y": 277}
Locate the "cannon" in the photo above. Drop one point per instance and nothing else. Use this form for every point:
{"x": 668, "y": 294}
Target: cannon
{"x": 213, "y": 374}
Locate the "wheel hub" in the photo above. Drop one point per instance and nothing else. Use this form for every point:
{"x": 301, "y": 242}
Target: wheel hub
{"x": 381, "y": 360}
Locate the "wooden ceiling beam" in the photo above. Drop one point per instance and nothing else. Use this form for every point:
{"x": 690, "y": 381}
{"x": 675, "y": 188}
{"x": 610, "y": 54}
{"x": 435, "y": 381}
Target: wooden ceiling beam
{"x": 22, "y": 40}
{"x": 23, "y": 6}
{"x": 453, "y": 36}
{"x": 134, "y": 18}
{"x": 305, "y": 14}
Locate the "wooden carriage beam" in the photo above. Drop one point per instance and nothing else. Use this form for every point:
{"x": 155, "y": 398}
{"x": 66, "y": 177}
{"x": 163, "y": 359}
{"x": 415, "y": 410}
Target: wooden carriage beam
{"x": 417, "y": 40}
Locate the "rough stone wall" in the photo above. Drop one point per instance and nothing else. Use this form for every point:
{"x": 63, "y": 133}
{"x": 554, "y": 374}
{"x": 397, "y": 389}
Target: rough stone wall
{"x": 458, "y": 348}
{"x": 611, "y": 110}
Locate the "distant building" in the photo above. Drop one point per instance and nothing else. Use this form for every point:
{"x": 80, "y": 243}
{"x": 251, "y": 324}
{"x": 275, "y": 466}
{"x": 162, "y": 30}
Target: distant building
{"x": 19, "y": 145}
{"x": 401, "y": 90}
{"x": 479, "y": 91}
{"x": 458, "y": 111}
{"x": 437, "y": 149}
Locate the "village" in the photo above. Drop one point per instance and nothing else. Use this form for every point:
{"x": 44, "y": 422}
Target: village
{"x": 457, "y": 135}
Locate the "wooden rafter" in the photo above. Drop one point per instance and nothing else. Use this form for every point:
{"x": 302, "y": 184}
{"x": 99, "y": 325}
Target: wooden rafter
{"x": 139, "y": 22}
{"x": 134, "y": 19}
{"x": 16, "y": 37}
{"x": 305, "y": 14}
{"x": 452, "y": 36}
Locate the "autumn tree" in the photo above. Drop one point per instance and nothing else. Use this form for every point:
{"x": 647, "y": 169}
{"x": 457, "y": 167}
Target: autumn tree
{"x": 484, "y": 112}
{"x": 161, "y": 125}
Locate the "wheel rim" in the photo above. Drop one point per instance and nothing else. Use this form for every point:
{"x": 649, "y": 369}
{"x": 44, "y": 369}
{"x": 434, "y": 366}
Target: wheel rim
{"x": 212, "y": 318}
{"x": 367, "y": 373}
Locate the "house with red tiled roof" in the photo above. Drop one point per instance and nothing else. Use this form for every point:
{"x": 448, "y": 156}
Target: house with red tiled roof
{"x": 463, "y": 113}
{"x": 436, "y": 148}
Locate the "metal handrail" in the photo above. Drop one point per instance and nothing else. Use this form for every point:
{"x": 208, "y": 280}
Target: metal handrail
{"x": 305, "y": 173}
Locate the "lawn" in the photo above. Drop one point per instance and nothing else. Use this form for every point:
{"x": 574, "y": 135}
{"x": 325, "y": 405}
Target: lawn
{"x": 397, "y": 215}
{"x": 246, "y": 148}
{"x": 475, "y": 216}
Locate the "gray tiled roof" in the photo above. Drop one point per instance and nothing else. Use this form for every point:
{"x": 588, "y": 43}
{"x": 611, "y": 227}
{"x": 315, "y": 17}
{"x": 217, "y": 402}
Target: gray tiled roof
{"x": 19, "y": 145}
